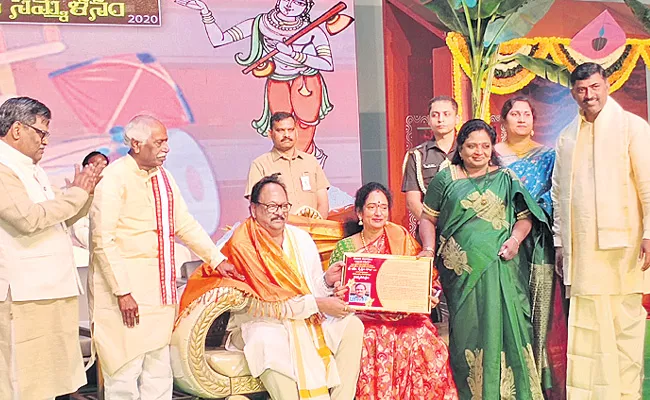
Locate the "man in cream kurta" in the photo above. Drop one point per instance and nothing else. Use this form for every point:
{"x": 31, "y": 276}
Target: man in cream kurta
{"x": 40, "y": 355}
{"x": 135, "y": 216}
{"x": 287, "y": 351}
{"x": 601, "y": 196}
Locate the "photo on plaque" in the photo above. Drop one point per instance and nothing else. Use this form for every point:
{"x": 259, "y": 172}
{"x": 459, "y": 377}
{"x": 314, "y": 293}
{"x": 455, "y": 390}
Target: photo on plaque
{"x": 381, "y": 282}
{"x": 360, "y": 294}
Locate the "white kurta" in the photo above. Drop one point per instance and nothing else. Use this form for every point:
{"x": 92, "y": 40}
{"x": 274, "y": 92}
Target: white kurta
{"x": 596, "y": 271}
{"x": 124, "y": 259}
{"x": 601, "y": 195}
{"x": 40, "y": 355}
{"x": 594, "y": 161}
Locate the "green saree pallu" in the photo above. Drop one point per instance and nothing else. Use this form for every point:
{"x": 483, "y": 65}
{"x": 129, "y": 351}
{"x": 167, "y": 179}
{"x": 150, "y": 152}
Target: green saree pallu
{"x": 491, "y": 337}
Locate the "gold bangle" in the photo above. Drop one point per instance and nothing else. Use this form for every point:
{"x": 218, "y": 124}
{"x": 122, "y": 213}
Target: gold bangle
{"x": 516, "y": 240}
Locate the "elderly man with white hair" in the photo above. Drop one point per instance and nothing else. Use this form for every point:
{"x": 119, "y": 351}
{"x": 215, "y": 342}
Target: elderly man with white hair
{"x": 136, "y": 216}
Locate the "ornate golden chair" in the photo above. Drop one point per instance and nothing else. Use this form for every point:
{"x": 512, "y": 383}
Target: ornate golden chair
{"x": 201, "y": 364}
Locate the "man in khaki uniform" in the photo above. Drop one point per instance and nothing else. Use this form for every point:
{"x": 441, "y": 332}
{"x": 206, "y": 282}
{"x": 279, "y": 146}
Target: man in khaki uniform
{"x": 300, "y": 172}
{"x": 135, "y": 218}
{"x": 40, "y": 355}
{"x": 422, "y": 162}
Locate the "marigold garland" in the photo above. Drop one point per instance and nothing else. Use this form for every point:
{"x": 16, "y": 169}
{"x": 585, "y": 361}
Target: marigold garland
{"x": 512, "y": 77}
{"x": 457, "y": 88}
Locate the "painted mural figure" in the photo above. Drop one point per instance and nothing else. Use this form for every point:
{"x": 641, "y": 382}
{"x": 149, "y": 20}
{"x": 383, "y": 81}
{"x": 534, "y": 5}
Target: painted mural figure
{"x": 294, "y": 81}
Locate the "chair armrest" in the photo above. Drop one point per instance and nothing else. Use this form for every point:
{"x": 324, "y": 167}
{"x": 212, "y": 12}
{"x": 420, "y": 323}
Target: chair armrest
{"x": 189, "y": 267}
{"x": 84, "y": 332}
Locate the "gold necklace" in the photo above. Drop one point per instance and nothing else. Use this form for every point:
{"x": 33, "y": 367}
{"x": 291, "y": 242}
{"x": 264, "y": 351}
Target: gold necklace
{"x": 485, "y": 183}
{"x": 365, "y": 246}
{"x": 363, "y": 241}
{"x": 520, "y": 153}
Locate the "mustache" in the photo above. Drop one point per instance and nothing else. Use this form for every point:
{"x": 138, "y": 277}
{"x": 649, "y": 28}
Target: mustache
{"x": 278, "y": 218}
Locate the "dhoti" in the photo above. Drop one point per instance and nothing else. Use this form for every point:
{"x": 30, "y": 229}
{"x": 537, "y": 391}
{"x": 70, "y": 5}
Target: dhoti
{"x": 347, "y": 356}
{"x": 146, "y": 377}
{"x": 40, "y": 354}
{"x": 605, "y": 348}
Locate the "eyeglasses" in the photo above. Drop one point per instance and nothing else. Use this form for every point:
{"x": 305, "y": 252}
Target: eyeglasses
{"x": 273, "y": 208}
{"x": 372, "y": 207}
{"x": 43, "y": 134}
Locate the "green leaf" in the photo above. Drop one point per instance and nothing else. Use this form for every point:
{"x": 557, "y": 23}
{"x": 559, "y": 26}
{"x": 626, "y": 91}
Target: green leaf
{"x": 507, "y": 7}
{"x": 641, "y": 11}
{"x": 488, "y": 8}
{"x": 518, "y": 24}
{"x": 545, "y": 68}
{"x": 448, "y": 15}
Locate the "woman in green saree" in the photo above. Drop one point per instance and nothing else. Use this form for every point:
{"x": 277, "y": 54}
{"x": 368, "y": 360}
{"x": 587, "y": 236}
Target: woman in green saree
{"x": 489, "y": 232}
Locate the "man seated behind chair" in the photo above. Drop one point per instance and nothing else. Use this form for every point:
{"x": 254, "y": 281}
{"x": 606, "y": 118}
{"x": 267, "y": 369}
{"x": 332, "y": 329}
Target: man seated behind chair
{"x": 80, "y": 231}
{"x": 301, "y": 174}
{"x": 296, "y": 336}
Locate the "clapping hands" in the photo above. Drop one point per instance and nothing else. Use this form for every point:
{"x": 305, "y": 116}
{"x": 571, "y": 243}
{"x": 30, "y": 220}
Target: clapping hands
{"x": 88, "y": 177}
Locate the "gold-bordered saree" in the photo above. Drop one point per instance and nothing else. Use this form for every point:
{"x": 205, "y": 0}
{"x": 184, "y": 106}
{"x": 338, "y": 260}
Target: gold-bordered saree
{"x": 491, "y": 331}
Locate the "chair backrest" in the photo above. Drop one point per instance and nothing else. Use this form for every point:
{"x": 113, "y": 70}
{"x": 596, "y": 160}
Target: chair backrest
{"x": 188, "y": 268}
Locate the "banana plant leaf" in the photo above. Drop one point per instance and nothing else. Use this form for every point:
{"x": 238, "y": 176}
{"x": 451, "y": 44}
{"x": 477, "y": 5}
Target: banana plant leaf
{"x": 448, "y": 15}
{"x": 544, "y": 68}
{"x": 518, "y": 24}
{"x": 507, "y": 7}
{"x": 641, "y": 11}
{"x": 488, "y": 8}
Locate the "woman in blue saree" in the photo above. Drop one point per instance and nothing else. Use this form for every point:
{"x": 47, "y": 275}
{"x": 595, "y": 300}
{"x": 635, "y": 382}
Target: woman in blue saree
{"x": 533, "y": 162}
{"x": 530, "y": 160}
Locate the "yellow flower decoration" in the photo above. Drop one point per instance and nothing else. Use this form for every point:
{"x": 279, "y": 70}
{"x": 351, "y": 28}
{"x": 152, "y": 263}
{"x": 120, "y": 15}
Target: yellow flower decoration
{"x": 619, "y": 64}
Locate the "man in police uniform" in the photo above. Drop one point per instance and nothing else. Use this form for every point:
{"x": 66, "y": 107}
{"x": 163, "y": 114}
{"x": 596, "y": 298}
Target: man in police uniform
{"x": 300, "y": 172}
{"x": 423, "y": 162}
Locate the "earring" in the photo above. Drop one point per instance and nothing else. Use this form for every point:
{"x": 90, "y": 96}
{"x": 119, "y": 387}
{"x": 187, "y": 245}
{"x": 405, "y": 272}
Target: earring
{"x": 532, "y": 133}
{"x": 360, "y": 223}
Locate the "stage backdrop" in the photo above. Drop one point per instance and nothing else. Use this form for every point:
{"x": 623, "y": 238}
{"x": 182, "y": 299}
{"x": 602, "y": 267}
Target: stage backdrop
{"x": 96, "y": 77}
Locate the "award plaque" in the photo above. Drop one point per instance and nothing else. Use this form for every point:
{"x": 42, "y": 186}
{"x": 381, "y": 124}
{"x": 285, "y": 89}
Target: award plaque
{"x": 381, "y": 282}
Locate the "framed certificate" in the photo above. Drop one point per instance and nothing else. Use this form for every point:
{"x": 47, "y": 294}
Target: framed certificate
{"x": 380, "y": 282}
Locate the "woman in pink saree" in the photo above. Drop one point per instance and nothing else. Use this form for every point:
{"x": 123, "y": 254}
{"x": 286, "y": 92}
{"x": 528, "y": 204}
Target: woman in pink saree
{"x": 403, "y": 355}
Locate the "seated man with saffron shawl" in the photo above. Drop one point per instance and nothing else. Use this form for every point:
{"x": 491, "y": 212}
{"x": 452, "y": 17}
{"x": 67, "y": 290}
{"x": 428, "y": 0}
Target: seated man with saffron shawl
{"x": 298, "y": 338}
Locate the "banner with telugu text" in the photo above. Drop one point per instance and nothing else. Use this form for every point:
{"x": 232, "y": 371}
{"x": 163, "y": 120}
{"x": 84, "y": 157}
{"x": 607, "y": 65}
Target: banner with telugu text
{"x": 81, "y": 12}
{"x": 187, "y": 73}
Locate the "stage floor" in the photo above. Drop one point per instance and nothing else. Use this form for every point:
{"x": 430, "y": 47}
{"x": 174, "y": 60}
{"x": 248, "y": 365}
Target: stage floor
{"x": 646, "y": 382}
{"x": 89, "y": 392}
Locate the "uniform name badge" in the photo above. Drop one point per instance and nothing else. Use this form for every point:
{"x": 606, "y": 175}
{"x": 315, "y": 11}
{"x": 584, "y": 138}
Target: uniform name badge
{"x": 304, "y": 182}
{"x": 388, "y": 283}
